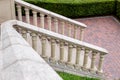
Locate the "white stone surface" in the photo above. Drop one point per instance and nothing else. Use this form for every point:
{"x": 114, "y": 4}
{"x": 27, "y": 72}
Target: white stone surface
{"x": 20, "y": 61}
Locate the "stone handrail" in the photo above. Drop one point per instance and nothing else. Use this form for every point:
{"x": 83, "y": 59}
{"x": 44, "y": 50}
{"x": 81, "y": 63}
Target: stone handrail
{"x": 61, "y": 48}
{"x": 19, "y": 60}
{"x": 52, "y": 20}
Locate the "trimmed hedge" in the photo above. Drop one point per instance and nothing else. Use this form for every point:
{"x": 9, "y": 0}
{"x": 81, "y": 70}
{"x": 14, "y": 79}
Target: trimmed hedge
{"x": 78, "y": 9}
{"x": 118, "y": 9}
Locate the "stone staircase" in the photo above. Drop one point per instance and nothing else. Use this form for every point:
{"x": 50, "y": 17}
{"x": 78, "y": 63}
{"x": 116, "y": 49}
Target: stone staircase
{"x": 54, "y": 30}
{"x": 59, "y": 40}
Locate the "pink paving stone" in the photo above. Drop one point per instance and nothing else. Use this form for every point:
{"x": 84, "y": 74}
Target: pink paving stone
{"x": 105, "y": 32}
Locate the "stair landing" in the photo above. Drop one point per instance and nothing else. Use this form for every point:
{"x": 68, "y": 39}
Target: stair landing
{"x": 105, "y": 32}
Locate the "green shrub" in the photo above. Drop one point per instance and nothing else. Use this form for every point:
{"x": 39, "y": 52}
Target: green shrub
{"x": 118, "y": 9}
{"x": 77, "y": 8}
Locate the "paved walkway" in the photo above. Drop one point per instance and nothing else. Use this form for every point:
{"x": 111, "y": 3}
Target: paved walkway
{"x": 105, "y": 32}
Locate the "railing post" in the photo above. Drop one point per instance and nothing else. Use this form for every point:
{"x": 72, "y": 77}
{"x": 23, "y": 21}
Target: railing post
{"x": 34, "y": 41}
{"x": 7, "y": 10}
{"x": 49, "y": 22}
{"x": 34, "y": 18}
{"x": 85, "y": 62}
{"x": 61, "y": 52}
{"x": 43, "y": 46}
{"x": 75, "y": 32}
{"x": 27, "y": 15}
{"x": 56, "y": 25}
{"x": 19, "y": 12}
{"x": 70, "y": 47}
{"x": 81, "y": 34}
{"x": 63, "y": 26}
{"x": 78, "y": 51}
{"x": 52, "y": 59}
{"x": 24, "y": 34}
{"x": 69, "y": 30}
{"x": 92, "y": 69}
{"x": 42, "y": 20}
{"x": 100, "y": 63}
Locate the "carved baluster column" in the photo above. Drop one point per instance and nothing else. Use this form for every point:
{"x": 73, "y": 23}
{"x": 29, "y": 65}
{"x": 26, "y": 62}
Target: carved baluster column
{"x": 75, "y": 32}
{"x": 56, "y": 25}
{"x": 27, "y": 15}
{"x": 44, "y": 47}
{"x": 70, "y": 49}
{"x": 53, "y": 43}
{"x": 92, "y": 69}
{"x": 63, "y": 26}
{"x": 81, "y": 34}
{"x": 69, "y": 30}
{"x": 19, "y": 12}
{"x": 24, "y": 34}
{"x": 34, "y": 41}
{"x": 49, "y": 22}
{"x": 85, "y": 62}
{"x": 42, "y": 20}
{"x": 78, "y": 51}
{"x": 61, "y": 52}
{"x": 100, "y": 63}
{"x": 34, "y": 18}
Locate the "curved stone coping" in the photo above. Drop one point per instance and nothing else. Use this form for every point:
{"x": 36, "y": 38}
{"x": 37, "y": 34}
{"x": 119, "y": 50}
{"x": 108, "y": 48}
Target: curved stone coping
{"x": 41, "y": 10}
{"x": 59, "y": 36}
{"x": 19, "y": 60}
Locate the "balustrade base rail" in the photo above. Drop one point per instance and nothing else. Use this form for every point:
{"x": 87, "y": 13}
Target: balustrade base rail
{"x": 62, "y": 67}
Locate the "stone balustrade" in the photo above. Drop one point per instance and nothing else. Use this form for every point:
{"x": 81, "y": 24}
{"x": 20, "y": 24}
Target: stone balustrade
{"x": 59, "y": 50}
{"x": 18, "y": 60}
{"x": 54, "y": 21}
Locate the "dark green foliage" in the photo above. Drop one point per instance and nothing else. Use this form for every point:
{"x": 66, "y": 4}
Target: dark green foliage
{"x": 78, "y": 8}
{"x": 67, "y": 76}
{"x": 118, "y": 9}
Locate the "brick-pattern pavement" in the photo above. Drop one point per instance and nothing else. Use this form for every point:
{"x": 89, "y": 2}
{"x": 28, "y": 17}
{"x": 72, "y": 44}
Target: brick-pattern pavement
{"x": 105, "y": 32}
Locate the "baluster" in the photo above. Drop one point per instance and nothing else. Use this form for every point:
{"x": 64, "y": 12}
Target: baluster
{"x": 27, "y": 15}
{"x": 19, "y": 30}
{"x": 75, "y": 32}
{"x": 44, "y": 47}
{"x": 49, "y": 22}
{"x": 42, "y": 20}
{"x": 78, "y": 51}
{"x": 92, "y": 69}
{"x": 63, "y": 26}
{"x": 100, "y": 63}
{"x": 56, "y": 25}
{"x": 34, "y": 41}
{"x": 85, "y": 62}
{"x": 61, "y": 52}
{"x": 52, "y": 59}
{"x": 69, "y": 30}
{"x": 19, "y": 12}
{"x": 24, "y": 34}
{"x": 69, "y": 61}
{"x": 34, "y": 18}
{"x": 81, "y": 34}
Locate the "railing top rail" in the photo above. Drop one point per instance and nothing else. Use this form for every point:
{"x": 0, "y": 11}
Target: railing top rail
{"x": 57, "y": 36}
{"x": 41, "y": 10}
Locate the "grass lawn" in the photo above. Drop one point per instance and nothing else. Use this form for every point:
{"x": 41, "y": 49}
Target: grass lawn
{"x": 67, "y": 76}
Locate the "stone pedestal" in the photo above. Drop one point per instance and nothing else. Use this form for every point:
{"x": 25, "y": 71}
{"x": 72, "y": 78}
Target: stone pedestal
{"x": 7, "y": 10}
